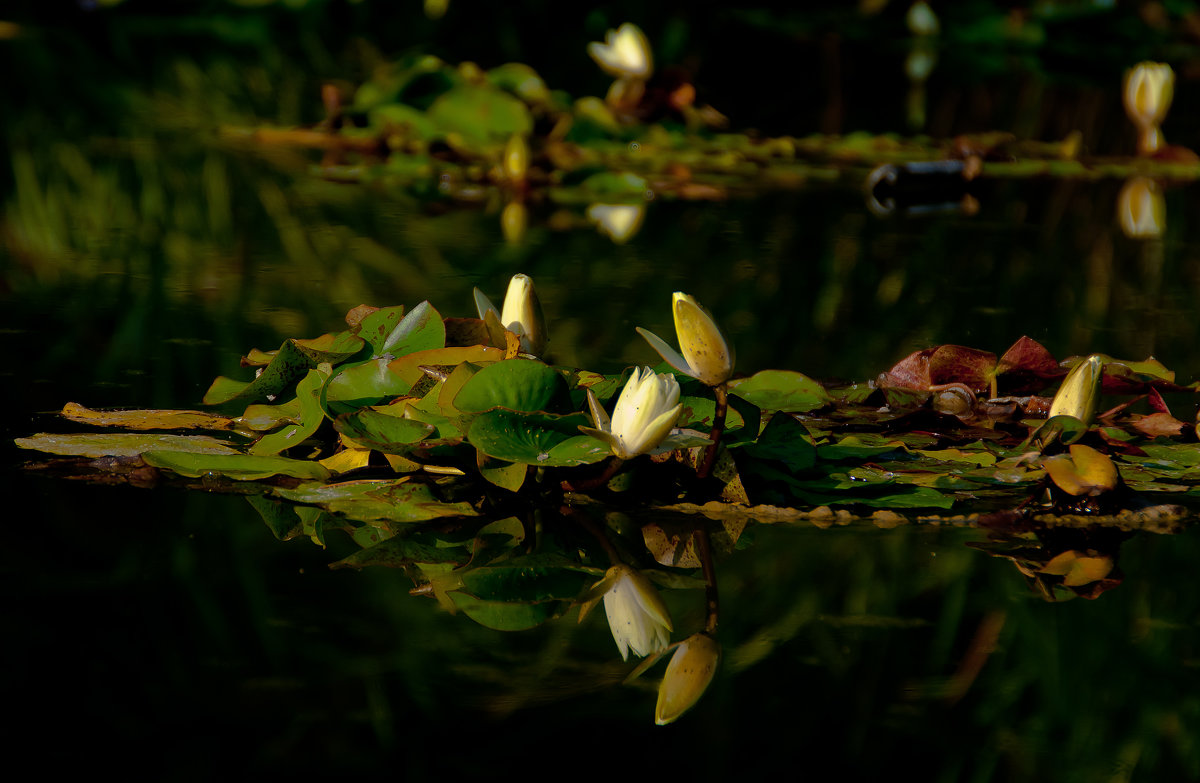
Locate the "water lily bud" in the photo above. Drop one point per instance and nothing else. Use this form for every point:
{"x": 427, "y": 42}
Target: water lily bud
{"x": 637, "y": 616}
{"x": 703, "y": 352}
{"x": 646, "y": 413}
{"x": 522, "y": 313}
{"x": 1141, "y": 209}
{"x": 1079, "y": 391}
{"x": 1149, "y": 88}
{"x": 921, "y": 19}
{"x": 624, "y": 53}
{"x": 688, "y": 675}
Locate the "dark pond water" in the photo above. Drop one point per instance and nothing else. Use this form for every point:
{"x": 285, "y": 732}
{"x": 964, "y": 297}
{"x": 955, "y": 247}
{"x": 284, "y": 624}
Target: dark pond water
{"x": 167, "y": 634}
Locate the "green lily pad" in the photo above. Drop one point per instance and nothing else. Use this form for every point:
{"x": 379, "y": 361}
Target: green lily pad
{"x": 516, "y": 384}
{"x": 541, "y": 439}
{"x": 480, "y": 115}
{"x": 242, "y": 467}
{"x": 381, "y": 431}
{"x": 781, "y": 390}
{"x": 294, "y": 359}
{"x": 376, "y": 327}
{"x": 526, "y": 583}
{"x": 364, "y": 383}
{"x": 112, "y": 444}
{"x": 421, "y": 330}
{"x": 311, "y": 416}
{"x": 503, "y": 616}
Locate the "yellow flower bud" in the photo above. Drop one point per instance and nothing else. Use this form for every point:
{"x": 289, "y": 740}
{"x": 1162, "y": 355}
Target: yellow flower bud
{"x": 1149, "y": 88}
{"x": 688, "y": 675}
{"x": 1080, "y": 391}
{"x": 522, "y": 313}
{"x": 703, "y": 352}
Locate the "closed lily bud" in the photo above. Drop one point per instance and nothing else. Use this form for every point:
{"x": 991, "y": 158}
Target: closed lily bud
{"x": 1141, "y": 209}
{"x": 625, "y": 53}
{"x": 637, "y": 616}
{"x": 703, "y": 352}
{"x": 646, "y": 413}
{"x": 1080, "y": 391}
{"x": 516, "y": 159}
{"x": 522, "y": 313}
{"x": 688, "y": 675}
{"x": 1149, "y": 88}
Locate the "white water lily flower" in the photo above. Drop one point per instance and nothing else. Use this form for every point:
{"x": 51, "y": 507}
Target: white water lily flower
{"x": 625, "y": 53}
{"x": 522, "y": 313}
{"x": 706, "y": 355}
{"x": 645, "y": 414}
{"x": 637, "y": 616}
{"x": 687, "y": 677}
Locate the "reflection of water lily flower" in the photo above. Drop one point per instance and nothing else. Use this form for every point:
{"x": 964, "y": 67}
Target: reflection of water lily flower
{"x": 1141, "y": 209}
{"x": 636, "y": 613}
{"x": 703, "y": 353}
{"x": 645, "y": 414}
{"x": 1149, "y": 88}
{"x": 1079, "y": 391}
{"x": 688, "y": 674}
{"x": 522, "y": 314}
{"x": 625, "y": 53}
{"x": 618, "y": 221}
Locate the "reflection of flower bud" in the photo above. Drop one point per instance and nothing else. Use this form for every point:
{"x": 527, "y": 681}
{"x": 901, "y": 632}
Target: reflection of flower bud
{"x": 624, "y": 53}
{"x": 637, "y": 616}
{"x": 703, "y": 353}
{"x": 1141, "y": 209}
{"x": 688, "y": 674}
{"x": 1149, "y": 88}
{"x": 618, "y": 221}
{"x": 645, "y": 414}
{"x": 1080, "y": 391}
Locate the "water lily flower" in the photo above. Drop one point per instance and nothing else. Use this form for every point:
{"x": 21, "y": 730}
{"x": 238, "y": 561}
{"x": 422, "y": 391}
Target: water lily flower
{"x": 1079, "y": 391}
{"x": 687, "y": 677}
{"x": 1149, "y": 88}
{"x": 624, "y": 54}
{"x": 645, "y": 414}
{"x": 637, "y": 616}
{"x": 706, "y": 355}
{"x": 1141, "y": 209}
{"x": 522, "y": 314}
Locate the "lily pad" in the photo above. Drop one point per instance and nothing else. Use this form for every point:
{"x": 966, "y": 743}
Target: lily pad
{"x": 781, "y": 390}
{"x": 541, "y": 439}
{"x": 243, "y": 467}
{"x": 516, "y": 384}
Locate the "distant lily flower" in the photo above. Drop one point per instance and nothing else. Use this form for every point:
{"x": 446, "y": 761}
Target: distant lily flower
{"x": 522, "y": 314}
{"x": 1141, "y": 210}
{"x": 618, "y": 221}
{"x": 624, "y": 54}
{"x": 1080, "y": 391}
{"x": 1149, "y": 88}
{"x": 645, "y": 414}
{"x": 706, "y": 355}
{"x": 687, "y": 677}
{"x": 637, "y": 616}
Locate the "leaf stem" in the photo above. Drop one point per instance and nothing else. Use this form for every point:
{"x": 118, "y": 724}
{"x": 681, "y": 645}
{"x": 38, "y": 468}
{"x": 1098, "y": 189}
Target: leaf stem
{"x": 599, "y": 480}
{"x": 718, "y": 428}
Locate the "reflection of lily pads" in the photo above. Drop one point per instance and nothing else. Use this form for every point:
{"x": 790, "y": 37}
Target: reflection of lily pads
{"x": 398, "y": 500}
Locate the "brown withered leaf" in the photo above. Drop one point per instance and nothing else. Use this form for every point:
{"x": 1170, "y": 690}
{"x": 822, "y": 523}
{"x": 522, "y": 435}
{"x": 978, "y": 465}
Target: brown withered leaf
{"x": 1158, "y": 425}
{"x": 1026, "y": 366}
{"x": 146, "y": 419}
{"x": 911, "y": 372}
{"x": 959, "y": 364}
{"x": 466, "y": 331}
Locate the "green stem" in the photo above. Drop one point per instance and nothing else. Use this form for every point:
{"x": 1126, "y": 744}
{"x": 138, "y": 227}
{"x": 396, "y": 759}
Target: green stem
{"x": 718, "y": 429}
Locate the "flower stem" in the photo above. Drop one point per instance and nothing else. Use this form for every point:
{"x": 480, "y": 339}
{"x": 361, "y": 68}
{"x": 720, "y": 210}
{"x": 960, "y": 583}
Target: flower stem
{"x": 704, "y": 550}
{"x": 718, "y": 428}
{"x": 599, "y": 480}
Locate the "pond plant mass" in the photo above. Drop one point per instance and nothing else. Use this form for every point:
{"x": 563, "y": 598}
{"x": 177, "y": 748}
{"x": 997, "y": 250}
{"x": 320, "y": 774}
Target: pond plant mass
{"x": 443, "y": 446}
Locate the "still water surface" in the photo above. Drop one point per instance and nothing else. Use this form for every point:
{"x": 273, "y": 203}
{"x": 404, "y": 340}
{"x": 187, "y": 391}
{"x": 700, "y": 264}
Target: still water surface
{"x": 169, "y": 635}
